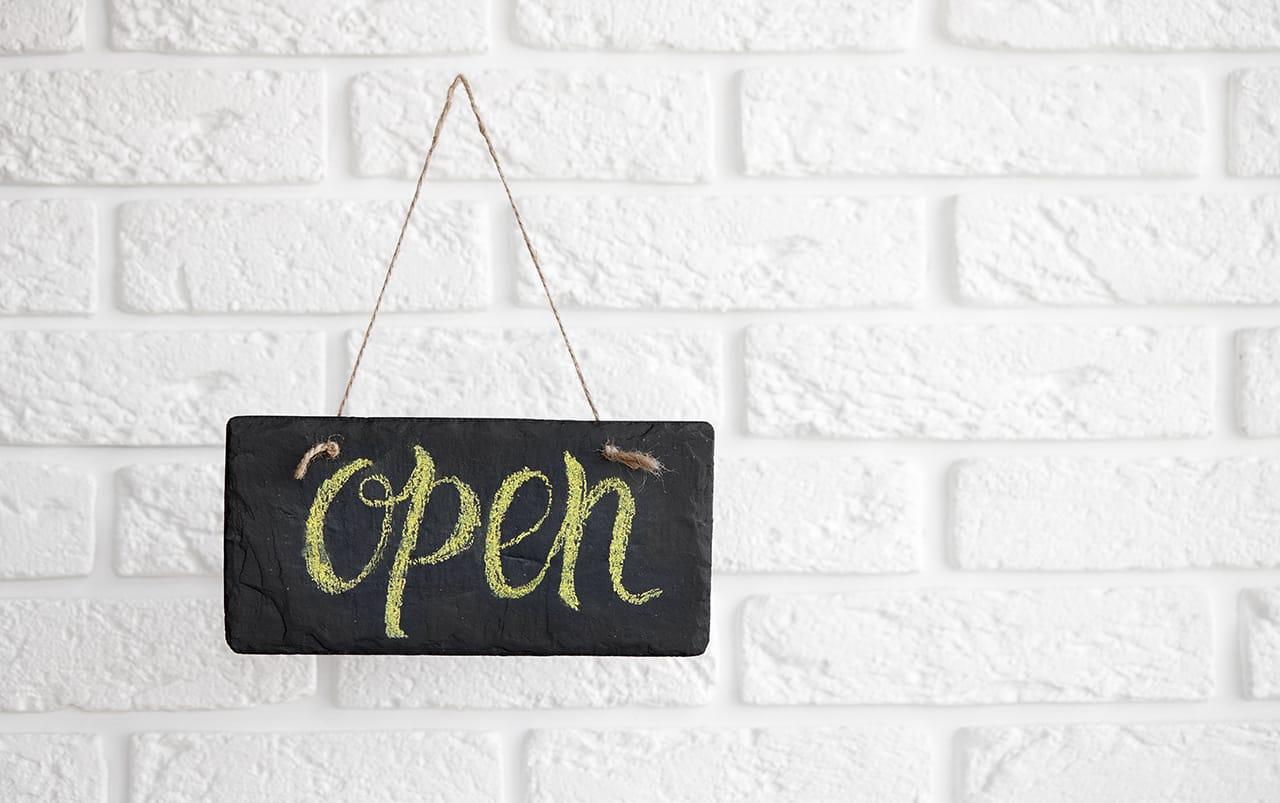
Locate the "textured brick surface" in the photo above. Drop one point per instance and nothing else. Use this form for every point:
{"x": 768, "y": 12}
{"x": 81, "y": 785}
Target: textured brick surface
{"x": 884, "y": 766}
{"x": 1260, "y": 642}
{"x": 969, "y": 382}
{"x": 816, "y": 515}
{"x": 149, "y": 387}
{"x": 1090, "y": 513}
{"x": 640, "y": 125}
{"x": 1258, "y": 381}
{"x": 169, "y": 519}
{"x": 1077, "y": 121}
{"x": 449, "y": 681}
{"x": 1254, "y": 127}
{"x": 725, "y": 253}
{"x": 433, "y": 767}
{"x": 733, "y": 25}
{"x": 292, "y": 27}
{"x": 1105, "y": 249}
{"x": 47, "y": 767}
{"x": 42, "y": 26}
{"x": 977, "y": 646}
{"x": 160, "y": 127}
{"x": 300, "y": 256}
{"x": 127, "y": 655}
{"x": 47, "y": 260}
{"x": 1126, "y": 25}
{"x": 46, "y": 521}
{"x": 525, "y": 373}
{"x": 1157, "y": 763}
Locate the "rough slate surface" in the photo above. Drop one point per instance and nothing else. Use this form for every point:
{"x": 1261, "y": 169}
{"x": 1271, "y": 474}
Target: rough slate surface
{"x": 273, "y": 604}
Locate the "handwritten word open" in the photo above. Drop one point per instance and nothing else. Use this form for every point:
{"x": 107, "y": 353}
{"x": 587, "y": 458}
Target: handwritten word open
{"x": 417, "y": 492}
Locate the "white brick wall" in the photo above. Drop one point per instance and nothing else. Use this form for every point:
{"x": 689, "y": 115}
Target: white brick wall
{"x": 255, "y": 256}
{"x": 125, "y": 655}
{"x": 46, "y": 515}
{"x": 724, "y": 26}
{"x": 962, "y": 647}
{"x": 726, "y": 253}
{"x": 1254, "y": 116}
{"x": 1260, "y": 639}
{"x": 627, "y": 125}
{"x": 169, "y": 519}
{"x": 42, "y": 26}
{"x": 297, "y": 27}
{"x": 747, "y": 765}
{"x": 391, "y": 765}
{"x": 143, "y": 387}
{"x": 1110, "y": 250}
{"x": 1124, "y": 25}
{"x": 1060, "y": 514}
{"x": 162, "y": 126}
{"x": 977, "y": 382}
{"x": 982, "y": 296}
{"x": 483, "y": 681}
{"x": 949, "y": 121}
{"x": 1237, "y": 761}
{"x": 51, "y": 766}
{"x": 47, "y": 254}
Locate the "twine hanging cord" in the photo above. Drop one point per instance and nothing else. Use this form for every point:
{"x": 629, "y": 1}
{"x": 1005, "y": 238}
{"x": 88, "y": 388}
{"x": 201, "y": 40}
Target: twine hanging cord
{"x": 641, "y": 461}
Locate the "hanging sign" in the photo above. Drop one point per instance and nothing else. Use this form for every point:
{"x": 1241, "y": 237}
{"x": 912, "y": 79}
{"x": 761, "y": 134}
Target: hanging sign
{"x": 467, "y": 536}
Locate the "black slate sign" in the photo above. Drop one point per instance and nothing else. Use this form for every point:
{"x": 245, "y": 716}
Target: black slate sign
{"x": 467, "y": 536}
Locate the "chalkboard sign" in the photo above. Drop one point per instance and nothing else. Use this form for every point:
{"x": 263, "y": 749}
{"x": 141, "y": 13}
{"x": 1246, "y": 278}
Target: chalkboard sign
{"x": 467, "y": 536}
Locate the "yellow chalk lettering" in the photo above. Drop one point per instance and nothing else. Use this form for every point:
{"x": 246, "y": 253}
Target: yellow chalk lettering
{"x": 418, "y": 490}
{"x": 494, "y": 545}
{"x": 579, "y": 507}
{"x": 580, "y": 502}
{"x": 319, "y": 564}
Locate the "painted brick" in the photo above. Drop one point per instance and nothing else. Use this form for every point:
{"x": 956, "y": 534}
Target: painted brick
{"x": 736, "y": 25}
{"x": 428, "y": 766}
{"x": 161, "y": 127}
{"x": 1083, "y": 513}
{"x": 1258, "y": 391}
{"x": 300, "y": 256}
{"x": 1158, "y": 763}
{"x": 138, "y": 388}
{"x": 43, "y": 767}
{"x": 297, "y": 27}
{"x": 978, "y": 382}
{"x": 1106, "y": 250}
{"x": 961, "y": 647}
{"x": 836, "y": 515}
{"x": 46, "y": 521}
{"x": 482, "y": 681}
{"x": 134, "y": 655}
{"x": 1253, "y": 136}
{"x": 860, "y": 766}
{"x": 1125, "y": 25}
{"x": 169, "y": 520}
{"x": 42, "y": 26}
{"x": 1260, "y": 642}
{"x": 725, "y": 253}
{"x": 525, "y": 373}
{"x": 623, "y": 125}
{"x": 47, "y": 261}
{"x": 986, "y": 121}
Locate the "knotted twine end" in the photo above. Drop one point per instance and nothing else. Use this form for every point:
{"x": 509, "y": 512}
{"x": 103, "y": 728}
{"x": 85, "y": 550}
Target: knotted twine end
{"x": 329, "y": 448}
{"x": 642, "y": 461}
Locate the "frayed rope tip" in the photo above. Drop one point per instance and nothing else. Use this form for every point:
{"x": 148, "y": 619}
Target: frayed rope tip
{"x": 328, "y": 448}
{"x": 640, "y": 461}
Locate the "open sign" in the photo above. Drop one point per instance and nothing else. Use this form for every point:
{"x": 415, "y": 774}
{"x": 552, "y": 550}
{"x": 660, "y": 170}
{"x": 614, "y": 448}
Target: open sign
{"x": 467, "y": 536}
